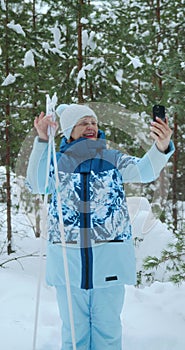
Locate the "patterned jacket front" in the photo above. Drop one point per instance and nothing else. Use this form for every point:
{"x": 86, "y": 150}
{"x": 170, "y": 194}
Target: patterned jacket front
{"x": 95, "y": 215}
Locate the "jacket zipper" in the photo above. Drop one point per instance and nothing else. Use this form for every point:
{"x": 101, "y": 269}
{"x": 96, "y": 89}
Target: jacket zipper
{"x": 86, "y": 249}
{"x": 85, "y": 234}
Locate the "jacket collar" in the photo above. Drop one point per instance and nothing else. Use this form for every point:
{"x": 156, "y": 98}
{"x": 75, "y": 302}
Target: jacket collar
{"x": 84, "y": 146}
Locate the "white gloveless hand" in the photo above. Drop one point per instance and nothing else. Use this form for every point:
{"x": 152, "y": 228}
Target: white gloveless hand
{"x": 41, "y": 124}
{"x": 161, "y": 133}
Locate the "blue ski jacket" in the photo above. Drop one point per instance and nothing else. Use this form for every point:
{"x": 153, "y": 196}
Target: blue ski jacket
{"x": 96, "y": 221}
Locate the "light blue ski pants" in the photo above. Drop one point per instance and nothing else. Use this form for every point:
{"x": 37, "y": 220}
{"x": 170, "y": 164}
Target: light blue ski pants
{"x": 96, "y": 314}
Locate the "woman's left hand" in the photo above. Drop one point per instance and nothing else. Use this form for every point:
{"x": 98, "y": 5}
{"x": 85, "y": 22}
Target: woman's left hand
{"x": 161, "y": 133}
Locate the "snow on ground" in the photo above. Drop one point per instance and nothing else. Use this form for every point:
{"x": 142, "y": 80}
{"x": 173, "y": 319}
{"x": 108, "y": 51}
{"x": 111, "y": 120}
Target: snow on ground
{"x": 153, "y": 317}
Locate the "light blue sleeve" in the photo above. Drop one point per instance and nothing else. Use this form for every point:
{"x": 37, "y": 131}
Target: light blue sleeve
{"x": 145, "y": 169}
{"x": 37, "y": 167}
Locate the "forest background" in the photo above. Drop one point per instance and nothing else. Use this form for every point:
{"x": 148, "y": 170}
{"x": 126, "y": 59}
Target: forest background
{"x": 120, "y": 54}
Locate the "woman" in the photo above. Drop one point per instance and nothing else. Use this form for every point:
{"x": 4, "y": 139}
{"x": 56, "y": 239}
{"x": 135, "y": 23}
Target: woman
{"x": 97, "y": 227}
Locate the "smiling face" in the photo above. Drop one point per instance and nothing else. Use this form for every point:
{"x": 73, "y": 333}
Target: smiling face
{"x": 86, "y": 127}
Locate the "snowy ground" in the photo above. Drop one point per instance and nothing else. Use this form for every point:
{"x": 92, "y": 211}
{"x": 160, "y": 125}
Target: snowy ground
{"x": 153, "y": 317}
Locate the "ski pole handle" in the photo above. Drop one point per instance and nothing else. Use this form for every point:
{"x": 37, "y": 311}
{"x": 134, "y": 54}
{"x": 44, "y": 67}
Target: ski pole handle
{"x": 50, "y": 105}
{"x": 51, "y": 131}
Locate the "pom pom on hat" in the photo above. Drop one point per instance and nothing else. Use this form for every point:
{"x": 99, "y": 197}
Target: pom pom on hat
{"x": 70, "y": 114}
{"x": 60, "y": 109}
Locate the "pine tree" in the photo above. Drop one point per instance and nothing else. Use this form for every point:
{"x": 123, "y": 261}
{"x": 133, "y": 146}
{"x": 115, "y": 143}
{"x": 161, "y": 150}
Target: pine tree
{"x": 171, "y": 259}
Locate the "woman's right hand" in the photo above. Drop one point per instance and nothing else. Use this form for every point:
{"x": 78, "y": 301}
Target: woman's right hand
{"x": 41, "y": 124}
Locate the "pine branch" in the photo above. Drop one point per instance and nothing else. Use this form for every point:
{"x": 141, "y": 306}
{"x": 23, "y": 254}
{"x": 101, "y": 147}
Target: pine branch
{"x": 32, "y": 255}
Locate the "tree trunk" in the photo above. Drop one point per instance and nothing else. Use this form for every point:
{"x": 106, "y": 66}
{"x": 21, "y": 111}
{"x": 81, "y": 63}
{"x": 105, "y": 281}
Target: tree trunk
{"x": 158, "y": 14}
{"x": 175, "y": 156}
{"x": 37, "y": 217}
{"x": 8, "y": 148}
{"x": 8, "y": 186}
{"x": 34, "y": 17}
{"x": 80, "y": 56}
{"x": 174, "y": 181}
{"x": 37, "y": 200}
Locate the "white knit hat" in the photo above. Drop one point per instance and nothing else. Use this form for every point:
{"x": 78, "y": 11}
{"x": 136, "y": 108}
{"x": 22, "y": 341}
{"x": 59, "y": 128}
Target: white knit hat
{"x": 70, "y": 114}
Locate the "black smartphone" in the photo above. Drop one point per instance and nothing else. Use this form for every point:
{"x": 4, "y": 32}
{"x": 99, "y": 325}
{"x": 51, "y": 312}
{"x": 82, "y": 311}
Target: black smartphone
{"x": 159, "y": 111}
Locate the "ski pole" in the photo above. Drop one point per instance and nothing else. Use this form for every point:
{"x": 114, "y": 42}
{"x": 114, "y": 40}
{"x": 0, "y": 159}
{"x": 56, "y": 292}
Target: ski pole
{"x": 44, "y": 221}
{"x": 64, "y": 251}
{"x": 43, "y": 239}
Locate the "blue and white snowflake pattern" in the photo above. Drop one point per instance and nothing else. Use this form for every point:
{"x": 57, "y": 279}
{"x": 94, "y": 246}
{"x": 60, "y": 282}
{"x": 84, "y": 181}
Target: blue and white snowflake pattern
{"x": 109, "y": 213}
{"x": 109, "y": 216}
